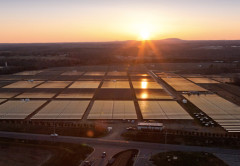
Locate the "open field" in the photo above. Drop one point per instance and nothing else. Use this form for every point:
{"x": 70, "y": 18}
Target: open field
{"x": 177, "y": 158}
{"x": 32, "y": 156}
{"x": 124, "y": 158}
{"x": 45, "y": 153}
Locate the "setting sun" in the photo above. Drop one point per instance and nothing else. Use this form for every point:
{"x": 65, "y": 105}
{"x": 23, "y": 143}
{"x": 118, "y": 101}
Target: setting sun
{"x": 144, "y": 34}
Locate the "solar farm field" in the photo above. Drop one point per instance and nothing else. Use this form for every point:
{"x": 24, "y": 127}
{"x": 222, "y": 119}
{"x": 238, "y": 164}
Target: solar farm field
{"x": 181, "y": 84}
{"x": 23, "y": 84}
{"x": 202, "y": 80}
{"x": 94, "y": 74}
{"x": 64, "y": 109}
{"x": 19, "y": 109}
{"x": 36, "y": 93}
{"x": 77, "y": 93}
{"x": 162, "y": 110}
{"x": 70, "y": 73}
{"x": 220, "y": 110}
{"x": 2, "y": 100}
{"x": 85, "y": 84}
{"x": 146, "y": 85}
{"x": 34, "y": 72}
{"x": 54, "y": 84}
{"x": 115, "y": 73}
{"x": 115, "y": 84}
{"x": 223, "y": 79}
{"x": 112, "y": 110}
{"x": 152, "y": 94}
{"x": 8, "y": 94}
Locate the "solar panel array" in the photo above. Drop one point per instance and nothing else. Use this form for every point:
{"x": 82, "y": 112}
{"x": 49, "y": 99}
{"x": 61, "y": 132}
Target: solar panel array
{"x": 113, "y": 110}
{"x": 85, "y": 84}
{"x": 94, "y": 74}
{"x": 162, "y": 110}
{"x": 19, "y": 109}
{"x": 74, "y": 72}
{"x": 76, "y": 94}
{"x": 34, "y": 72}
{"x": 33, "y": 94}
{"x": 23, "y": 84}
{"x": 220, "y": 110}
{"x": 54, "y": 84}
{"x": 146, "y": 85}
{"x": 115, "y": 73}
{"x": 203, "y": 80}
{"x": 115, "y": 84}
{"x": 181, "y": 84}
{"x": 64, "y": 109}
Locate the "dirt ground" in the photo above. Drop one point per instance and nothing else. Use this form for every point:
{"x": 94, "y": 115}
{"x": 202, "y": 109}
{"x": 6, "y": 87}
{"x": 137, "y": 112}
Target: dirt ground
{"x": 18, "y": 155}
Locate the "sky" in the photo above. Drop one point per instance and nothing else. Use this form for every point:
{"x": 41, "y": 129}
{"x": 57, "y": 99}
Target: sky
{"x": 33, "y": 21}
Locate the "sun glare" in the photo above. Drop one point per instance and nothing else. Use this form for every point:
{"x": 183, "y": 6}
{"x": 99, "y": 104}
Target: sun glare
{"x": 145, "y": 35}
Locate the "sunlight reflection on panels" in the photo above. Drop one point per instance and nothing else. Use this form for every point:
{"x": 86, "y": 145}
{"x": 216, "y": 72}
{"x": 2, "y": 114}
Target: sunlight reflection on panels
{"x": 117, "y": 73}
{"x": 36, "y": 94}
{"x": 2, "y": 100}
{"x": 146, "y": 85}
{"x": 223, "y": 79}
{"x": 8, "y": 94}
{"x": 85, "y": 84}
{"x": 151, "y": 94}
{"x": 74, "y": 72}
{"x": 115, "y": 84}
{"x": 139, "y": 74}
{"x": 181, "y": 84}
{"x": 203, "y": 80}
{"x": 219, "y": 109}
{"x": 162, "y": 110}
{"x": 34, "y": 72}
{"x": 94, "y": 74}
{"x": 72, "y": 93}
{"x": 54, "y": 84}
{"x": 19, "y": 109}
{"x": 23, "y": 84}
{"x": 64, "y": 109}
{"x": 113, "y": 110}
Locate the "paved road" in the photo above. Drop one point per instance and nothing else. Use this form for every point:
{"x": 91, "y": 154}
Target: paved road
{"x": 114, "y": 146}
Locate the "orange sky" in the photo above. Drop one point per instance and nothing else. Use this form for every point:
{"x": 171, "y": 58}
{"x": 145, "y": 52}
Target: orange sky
{"x": 83, "y": 21}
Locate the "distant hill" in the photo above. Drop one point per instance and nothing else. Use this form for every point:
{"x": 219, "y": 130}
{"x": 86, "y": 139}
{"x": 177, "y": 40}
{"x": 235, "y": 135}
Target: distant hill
{"x": 172, "y": 40}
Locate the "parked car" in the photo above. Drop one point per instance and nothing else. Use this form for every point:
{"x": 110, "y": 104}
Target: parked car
{"x": 104, "y": 154}
{"x": 54, "y": 135}
{"x": 87, "y": 163}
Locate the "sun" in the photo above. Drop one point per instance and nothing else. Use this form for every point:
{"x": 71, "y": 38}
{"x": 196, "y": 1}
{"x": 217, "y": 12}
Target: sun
{"x": 145, "y": 34}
